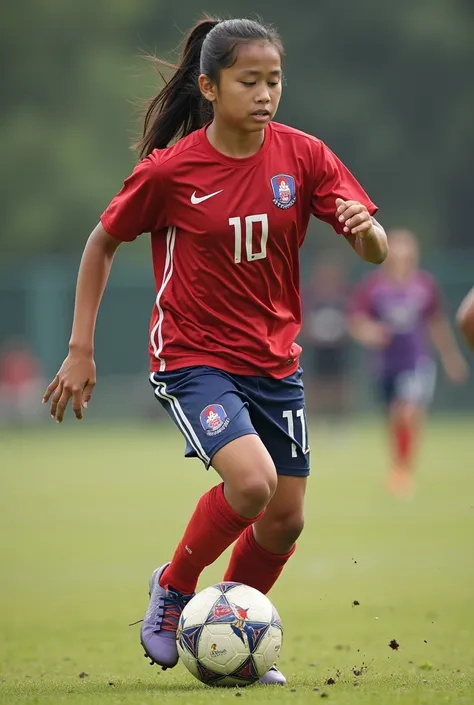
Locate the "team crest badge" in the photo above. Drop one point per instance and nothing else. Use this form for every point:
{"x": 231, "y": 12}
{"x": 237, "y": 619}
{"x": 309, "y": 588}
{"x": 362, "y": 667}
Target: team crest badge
{"x": 214, "y": 419}
{"x": 283, "y": 187}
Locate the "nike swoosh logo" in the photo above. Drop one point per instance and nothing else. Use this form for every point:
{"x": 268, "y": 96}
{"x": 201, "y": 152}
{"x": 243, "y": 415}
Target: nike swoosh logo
{"x": 199, "y": 199}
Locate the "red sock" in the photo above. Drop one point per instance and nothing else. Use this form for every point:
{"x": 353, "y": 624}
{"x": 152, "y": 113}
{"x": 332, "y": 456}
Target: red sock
{"x": 212, "y": 528}
{"x": 404, "y": 437}
{"x": 253, "y": 565}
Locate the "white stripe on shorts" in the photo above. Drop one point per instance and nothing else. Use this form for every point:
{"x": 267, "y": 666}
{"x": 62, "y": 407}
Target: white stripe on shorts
{"x": 181, "y": 418}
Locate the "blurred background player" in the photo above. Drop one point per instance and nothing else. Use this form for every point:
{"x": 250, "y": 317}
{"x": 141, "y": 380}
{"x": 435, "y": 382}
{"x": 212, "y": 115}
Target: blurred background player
{"x": 327, "y": 341}
{"x": 397, "y": 312}
{"x": 21, "y": 380}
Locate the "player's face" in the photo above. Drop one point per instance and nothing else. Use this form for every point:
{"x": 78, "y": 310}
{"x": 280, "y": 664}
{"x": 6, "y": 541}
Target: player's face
{"x": 403, "y": 258}
{"x": 248, "y": 93}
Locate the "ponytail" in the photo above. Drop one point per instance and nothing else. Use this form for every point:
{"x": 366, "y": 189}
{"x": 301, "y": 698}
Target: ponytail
{"x": 179, "y": 108}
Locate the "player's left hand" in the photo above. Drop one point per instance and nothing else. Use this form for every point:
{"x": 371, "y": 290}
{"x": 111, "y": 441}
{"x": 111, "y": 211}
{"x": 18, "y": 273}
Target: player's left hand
{"x": 356, "y": 218}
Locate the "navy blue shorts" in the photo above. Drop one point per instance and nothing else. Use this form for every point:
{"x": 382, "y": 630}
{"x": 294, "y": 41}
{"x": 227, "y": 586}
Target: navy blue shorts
{"x": 414, "y": 385}
{"x": 211, "y": 408}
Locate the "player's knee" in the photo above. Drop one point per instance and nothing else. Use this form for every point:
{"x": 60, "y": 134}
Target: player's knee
{"x": 256, "y": 490}
{"x": 407, "y": 412}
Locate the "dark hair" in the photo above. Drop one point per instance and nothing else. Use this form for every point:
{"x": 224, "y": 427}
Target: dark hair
{"x": 180, "y": 108}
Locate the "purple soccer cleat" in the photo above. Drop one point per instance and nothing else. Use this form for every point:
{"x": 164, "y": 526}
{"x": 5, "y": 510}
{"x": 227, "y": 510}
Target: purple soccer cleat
{"x": 158, "y": 632}
{"x": 273, "y": 677}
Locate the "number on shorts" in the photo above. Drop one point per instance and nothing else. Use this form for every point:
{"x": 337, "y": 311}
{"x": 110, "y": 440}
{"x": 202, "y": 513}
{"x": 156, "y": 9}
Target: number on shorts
{"x": 288, "y": 415}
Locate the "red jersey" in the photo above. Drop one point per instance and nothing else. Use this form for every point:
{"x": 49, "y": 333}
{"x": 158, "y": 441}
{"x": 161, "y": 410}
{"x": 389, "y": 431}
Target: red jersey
{"x": 225, "y": 238}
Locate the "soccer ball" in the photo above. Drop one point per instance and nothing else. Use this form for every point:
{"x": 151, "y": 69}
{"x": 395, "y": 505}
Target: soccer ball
{"x": 229, "y": 635}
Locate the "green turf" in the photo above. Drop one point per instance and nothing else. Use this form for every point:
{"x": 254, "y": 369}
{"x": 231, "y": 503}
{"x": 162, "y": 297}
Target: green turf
{"x": 87, "y": 513}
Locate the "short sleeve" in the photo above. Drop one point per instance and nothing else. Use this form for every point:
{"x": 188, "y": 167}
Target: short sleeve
{"x": 139, "y": 206}
{"x": 333, "y": 180}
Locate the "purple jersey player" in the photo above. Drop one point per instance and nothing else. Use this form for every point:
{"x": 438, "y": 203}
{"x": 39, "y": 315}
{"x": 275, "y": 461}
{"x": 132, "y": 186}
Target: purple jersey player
{"x": 398, "y": 313}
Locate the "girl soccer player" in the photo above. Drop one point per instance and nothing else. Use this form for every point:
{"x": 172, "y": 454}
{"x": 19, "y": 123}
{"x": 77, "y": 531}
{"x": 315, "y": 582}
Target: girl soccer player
{"x": 395, "y": 312}
{"x": 227, "y": 206}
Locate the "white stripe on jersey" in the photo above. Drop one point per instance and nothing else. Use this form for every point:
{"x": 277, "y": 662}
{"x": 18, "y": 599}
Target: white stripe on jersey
{"x": 167, "y": 272}
{"x": 181, "y": 418}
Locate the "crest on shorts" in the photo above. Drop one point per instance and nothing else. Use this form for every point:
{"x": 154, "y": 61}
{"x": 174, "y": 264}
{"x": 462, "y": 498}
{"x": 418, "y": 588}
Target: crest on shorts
{"x": 214, "y": 419}
{"x": 284, "y": 193}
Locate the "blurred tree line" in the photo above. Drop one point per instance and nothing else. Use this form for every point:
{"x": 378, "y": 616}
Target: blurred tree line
{"x": 387, "y": 85}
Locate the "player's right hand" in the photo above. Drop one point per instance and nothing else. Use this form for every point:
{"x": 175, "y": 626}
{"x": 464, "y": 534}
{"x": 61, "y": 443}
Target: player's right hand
{"x": 370, "y": 333}
{"x": 379, "y": 336}
{"x": 75, "y": 379}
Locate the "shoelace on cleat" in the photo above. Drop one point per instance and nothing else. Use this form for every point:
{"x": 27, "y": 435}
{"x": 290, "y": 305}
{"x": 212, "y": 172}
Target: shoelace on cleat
{"x": 171, "y": 615}
{"x": 169, "y": 610}
{"x": 167, "y": 615}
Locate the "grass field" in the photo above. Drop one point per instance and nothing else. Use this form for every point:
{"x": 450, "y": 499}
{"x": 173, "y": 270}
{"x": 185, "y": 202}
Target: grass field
{"x": 88, "y": 512}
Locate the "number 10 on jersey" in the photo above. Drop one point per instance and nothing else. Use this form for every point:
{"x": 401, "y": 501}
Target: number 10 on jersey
{"x": 250, "y": 221}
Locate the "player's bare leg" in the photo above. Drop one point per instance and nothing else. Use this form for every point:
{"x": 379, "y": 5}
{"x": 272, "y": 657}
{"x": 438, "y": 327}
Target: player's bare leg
{"x": 405, "y": 421}
{"x": 222, "y": 514}
{"x": 262, "y": 551}
{"x": 279, "y": 528}
{"x": 248, "y": 473}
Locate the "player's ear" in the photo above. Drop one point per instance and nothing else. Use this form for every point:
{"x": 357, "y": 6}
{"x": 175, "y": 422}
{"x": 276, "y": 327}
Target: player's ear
{"x": 208, "y": 88}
